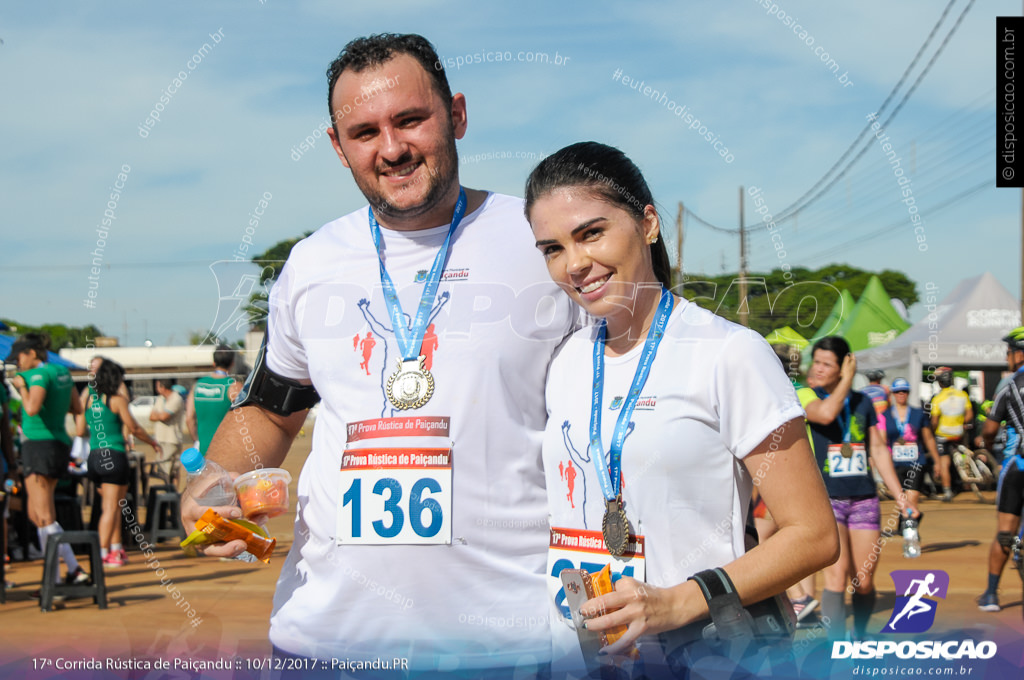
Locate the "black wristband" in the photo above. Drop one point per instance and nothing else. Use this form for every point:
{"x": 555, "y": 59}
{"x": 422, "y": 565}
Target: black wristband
{"x": 729, "y": 619}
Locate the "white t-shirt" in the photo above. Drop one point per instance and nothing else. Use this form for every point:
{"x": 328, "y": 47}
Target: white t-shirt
{"x": 169, "y": 431}
{"x": 497, "y": 320}
{"x": 715, "y": 391}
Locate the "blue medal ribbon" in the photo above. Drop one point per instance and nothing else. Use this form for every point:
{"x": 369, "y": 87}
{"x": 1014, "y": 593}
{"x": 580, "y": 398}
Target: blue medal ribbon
{"x": 410, "y": 338}
{"x": 610, "y": 478}
{"x": 844, "y": 421}
{"x": 900, "y": 425}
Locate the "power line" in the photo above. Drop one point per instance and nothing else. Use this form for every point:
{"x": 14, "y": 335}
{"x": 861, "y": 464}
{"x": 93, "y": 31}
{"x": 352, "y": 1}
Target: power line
{"x": 791, "y": 211}
{"x": 864, "y": 238}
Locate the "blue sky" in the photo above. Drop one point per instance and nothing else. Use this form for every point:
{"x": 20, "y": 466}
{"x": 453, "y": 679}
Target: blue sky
{"x": 78, "y": 79}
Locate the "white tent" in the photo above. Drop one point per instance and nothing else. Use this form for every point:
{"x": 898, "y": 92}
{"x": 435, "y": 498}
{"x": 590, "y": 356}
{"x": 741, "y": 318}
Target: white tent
{"x": 963, "y": 331}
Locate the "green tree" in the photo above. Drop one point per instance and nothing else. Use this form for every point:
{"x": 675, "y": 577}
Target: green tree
{"x": 802, "y": 301}
{"x": 60, "y": 334}
{"x": 270, "y": 262}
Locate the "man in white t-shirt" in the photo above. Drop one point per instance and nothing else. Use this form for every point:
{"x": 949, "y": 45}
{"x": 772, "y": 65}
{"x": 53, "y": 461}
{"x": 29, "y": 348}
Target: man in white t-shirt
{"x": 421, "y": 530}
{"x": 168, "y": 416}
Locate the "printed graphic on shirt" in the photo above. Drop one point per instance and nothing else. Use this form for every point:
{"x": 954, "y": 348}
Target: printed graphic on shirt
{"x": 378, "y": 350}
{"x": 447, "y": 275}
{"x": 568, "y": 472}
{"x": 642, "y": 404}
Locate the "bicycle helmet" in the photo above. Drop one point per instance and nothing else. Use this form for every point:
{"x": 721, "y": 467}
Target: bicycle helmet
{"x": 944, "y": 376}
{"x": 1015, "y": 338}
{"x": 874, "y": 374}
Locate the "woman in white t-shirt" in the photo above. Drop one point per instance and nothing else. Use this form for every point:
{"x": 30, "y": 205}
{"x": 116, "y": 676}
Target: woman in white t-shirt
{"x": 705, "y": 412}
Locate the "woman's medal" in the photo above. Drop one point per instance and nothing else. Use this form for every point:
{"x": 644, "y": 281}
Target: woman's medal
{"x": 412, "y": 385}
{"x": 844, "y": 424}
{"x": 615, "y": 528}
{"x": 615, "y": 525}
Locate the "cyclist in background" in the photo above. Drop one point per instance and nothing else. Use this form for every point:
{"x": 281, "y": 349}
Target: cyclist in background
{"x": 879, "y": 395}
{"x": 951, "y": 410}
{"x": 1009, "y": 407}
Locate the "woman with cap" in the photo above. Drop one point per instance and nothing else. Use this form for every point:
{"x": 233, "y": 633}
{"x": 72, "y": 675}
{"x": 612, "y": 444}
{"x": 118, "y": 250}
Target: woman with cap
{"x": 689, "y": 407}
{"x": 909, "y": 435}
{"x": 47, "y": 396}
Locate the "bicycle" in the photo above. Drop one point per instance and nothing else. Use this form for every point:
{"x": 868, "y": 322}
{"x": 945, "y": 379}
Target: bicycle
{"x": 971, "y": 471}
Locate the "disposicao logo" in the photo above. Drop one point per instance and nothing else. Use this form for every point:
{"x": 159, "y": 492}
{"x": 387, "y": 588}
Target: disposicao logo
{"x": 914, "y": 611}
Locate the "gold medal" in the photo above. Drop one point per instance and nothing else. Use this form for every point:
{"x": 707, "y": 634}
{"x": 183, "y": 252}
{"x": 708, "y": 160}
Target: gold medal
{"x": 846, "y": 450}
{"x": 615, "y": 528}
{"x": 411, "y": 386}
{"x": 901, "y": 441}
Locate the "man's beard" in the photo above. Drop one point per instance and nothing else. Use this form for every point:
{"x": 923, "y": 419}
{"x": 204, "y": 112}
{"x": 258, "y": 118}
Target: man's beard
{"x": 439, "y": 181}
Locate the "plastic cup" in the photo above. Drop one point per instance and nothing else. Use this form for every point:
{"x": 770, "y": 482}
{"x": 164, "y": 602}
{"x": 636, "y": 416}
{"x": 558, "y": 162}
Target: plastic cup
{"x": 263, "y": 493}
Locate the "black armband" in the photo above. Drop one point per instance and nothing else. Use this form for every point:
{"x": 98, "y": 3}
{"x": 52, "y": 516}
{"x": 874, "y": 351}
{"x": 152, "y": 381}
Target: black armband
{"x": 273, "y": 392}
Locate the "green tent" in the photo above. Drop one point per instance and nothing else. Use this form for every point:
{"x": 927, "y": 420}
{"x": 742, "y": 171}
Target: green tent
{"x": 787, "y": 336}
{"x": 873, "y": 321}
{"x": 833, "y": 322}
{"x": 839, "y": 314}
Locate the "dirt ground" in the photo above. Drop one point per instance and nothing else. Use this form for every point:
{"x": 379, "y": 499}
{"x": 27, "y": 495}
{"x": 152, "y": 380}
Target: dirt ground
{"x": 147, "y": 619}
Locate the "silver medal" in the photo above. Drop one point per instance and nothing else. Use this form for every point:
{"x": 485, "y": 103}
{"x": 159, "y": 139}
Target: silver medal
{"x": 411, "y": 386}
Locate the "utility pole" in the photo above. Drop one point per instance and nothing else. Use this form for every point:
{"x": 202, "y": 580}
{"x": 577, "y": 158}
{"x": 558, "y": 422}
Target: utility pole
{"x": 743, "y": 266}
{"x": 679, "y": 243}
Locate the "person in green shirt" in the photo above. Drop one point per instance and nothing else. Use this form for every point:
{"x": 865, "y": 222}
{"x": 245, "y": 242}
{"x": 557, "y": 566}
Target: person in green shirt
{"x": 106, "y": 413}
{"x": 46, "y": 392}
{"x": 211, "y": 398}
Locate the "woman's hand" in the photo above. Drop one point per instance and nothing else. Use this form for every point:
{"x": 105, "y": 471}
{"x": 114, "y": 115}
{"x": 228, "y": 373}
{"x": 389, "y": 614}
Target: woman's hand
{"x": 19, "y": 382}
{"x": 849, "y": 367}
{"x": 644, "y": 610}
{"x": 905, "y": 507}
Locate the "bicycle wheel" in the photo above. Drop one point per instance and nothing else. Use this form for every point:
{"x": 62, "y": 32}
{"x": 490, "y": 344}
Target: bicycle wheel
{"x": 985, "y": 472}
{"x": 967, "y": 469}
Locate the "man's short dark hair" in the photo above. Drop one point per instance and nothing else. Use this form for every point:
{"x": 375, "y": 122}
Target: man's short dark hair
{"x": 166, "y": 382}
{"x": 374, "y": 50}
{"x": 224, "y": 357}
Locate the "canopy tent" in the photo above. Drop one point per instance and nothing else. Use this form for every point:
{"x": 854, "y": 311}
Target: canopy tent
{"x": 873, "y": 321}
{"x": 840, "y": 312}
{"x": 787, "y": 336}
{"x": 7, "y": 341}
{"x": 833, "y": 322}
{"x": 964, "y": 331}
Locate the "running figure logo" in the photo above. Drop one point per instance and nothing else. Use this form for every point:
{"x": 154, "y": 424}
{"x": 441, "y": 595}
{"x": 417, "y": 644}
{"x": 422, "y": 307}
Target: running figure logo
{"x": 913, "y": 611}
{"x": 366, "y": 344}
{"x": 583, "y": 461}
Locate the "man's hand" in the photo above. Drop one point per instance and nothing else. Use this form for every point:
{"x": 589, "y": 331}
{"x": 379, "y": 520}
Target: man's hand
{"x": 191, "y": 511}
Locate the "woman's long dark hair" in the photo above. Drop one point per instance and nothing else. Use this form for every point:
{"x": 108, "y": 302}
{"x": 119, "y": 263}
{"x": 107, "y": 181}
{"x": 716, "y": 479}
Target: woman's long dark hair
{"x": 608, "y": 173}
{"x": 109, "y": 377}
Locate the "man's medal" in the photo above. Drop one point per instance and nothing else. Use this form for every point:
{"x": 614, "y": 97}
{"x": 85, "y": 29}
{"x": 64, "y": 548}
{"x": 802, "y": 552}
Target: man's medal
{"x": 846, "y": 450}
{"x": 412, "y": 385}
{"x": 615, "y": 525}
